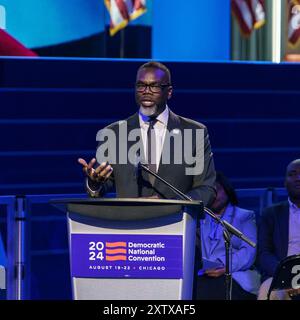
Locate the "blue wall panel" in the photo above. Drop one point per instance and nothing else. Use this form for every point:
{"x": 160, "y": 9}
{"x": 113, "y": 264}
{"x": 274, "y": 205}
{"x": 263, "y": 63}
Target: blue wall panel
{"x": 191, "y": 30}
{"x": 51, "y": 110}
{"x": 39, "y": 23}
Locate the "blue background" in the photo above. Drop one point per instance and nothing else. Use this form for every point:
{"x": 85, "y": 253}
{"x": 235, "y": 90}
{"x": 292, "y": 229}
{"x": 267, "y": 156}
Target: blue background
{"x": 191, "y": 30}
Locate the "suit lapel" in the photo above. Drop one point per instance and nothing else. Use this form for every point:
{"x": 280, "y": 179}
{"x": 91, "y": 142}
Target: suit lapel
{"x": 133, "y": 123}
{"x": 173, "y": 123}
{"x": 283, "y": 224}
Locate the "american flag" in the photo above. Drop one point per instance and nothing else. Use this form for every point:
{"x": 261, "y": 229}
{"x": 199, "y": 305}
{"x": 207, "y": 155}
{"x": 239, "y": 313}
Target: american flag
{"x": 123, "y": 11}
{"x": 250, "y": 14}
{"x": 293, "y": 22}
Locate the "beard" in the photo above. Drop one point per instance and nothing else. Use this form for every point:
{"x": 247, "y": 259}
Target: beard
{"x": 148, "y": 111}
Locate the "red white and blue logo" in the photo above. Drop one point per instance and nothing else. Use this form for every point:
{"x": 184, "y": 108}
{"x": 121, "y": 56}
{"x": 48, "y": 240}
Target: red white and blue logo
{"x": 130, "y": 256}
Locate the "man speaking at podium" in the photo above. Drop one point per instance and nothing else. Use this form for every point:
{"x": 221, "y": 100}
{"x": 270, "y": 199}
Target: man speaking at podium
{"x": 176, "y": 148}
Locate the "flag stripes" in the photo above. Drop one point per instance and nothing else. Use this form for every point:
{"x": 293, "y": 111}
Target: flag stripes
{"x": 250, "y": 14}
{"x": 293, "y": 22}
{"x": 123, "y": 11}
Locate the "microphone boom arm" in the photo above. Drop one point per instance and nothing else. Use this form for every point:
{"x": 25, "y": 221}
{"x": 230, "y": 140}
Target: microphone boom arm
{"x": 227, "y": 226}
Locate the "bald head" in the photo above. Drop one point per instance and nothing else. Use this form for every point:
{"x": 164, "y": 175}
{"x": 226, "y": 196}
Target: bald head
{"x": 292, "y": 164}
{"x": 158, "y": 66}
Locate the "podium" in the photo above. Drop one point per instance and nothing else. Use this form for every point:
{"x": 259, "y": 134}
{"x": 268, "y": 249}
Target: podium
{"x": 2, "y": 277}
{"x": 131, "y": 248}
{"x": 3, "y": 265}
{"x": 3, "y": 295}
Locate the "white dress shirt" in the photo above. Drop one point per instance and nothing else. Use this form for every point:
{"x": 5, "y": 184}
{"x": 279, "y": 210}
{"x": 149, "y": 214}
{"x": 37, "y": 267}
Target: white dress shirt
{"x": 160, "y": 128}
{"x": 294, "y": 230}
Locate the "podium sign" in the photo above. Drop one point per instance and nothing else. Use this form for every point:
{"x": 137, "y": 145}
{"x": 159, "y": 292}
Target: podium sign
{"x": 137, "y": 249}
{"x": 126, "y": 256}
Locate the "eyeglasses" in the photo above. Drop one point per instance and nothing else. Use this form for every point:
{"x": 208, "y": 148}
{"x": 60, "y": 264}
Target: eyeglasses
{"x": 154, "y": 88}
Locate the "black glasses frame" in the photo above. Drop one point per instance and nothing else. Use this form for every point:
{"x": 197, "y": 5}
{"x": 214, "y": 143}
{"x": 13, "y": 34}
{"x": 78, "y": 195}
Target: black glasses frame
{"x": 141, "y": 87}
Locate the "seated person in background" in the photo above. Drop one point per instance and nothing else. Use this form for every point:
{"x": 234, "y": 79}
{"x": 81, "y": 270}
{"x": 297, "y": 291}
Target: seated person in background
{"x": 245, "y": 280}
{"x": 279, "y": 234}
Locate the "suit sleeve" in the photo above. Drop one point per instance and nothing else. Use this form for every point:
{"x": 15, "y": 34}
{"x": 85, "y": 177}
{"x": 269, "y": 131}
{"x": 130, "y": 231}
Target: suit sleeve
{"x": 204, "y": 184}
{"x": 267, "y": 260}
{"x": 96, "y": 189}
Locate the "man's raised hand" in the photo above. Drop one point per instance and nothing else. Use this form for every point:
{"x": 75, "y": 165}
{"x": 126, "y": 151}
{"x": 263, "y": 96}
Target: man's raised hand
{"x": 99, "y": 174}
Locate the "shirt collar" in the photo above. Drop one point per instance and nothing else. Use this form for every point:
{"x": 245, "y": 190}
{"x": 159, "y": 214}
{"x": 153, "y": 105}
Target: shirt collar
{"x": 162, "y": 117}
{"x": 293, "y": 207}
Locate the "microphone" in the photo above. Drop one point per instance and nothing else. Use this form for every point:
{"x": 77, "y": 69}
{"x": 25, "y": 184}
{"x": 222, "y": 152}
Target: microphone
{"x": 227, "y": 226}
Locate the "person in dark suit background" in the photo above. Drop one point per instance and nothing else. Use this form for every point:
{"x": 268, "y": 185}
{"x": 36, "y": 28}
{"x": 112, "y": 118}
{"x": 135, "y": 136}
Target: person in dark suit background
{"x": 279, "y": 234}
{"x": 152, "y": 91}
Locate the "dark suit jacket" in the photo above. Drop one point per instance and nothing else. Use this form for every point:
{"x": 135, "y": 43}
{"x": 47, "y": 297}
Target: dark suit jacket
{"x": 130, "y": 183}
{"x": 273, "y": 237}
